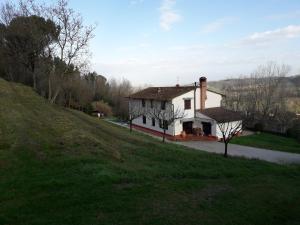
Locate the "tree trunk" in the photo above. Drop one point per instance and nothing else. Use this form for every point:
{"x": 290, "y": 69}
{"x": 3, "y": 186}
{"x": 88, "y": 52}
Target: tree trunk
{"x": 55, "y": 96}
{"x": 49, "y": 87}
{"x": 34, "y": 80}
{"x": 32, "y": 65}
{"x": 69, "y": 101}
{"x": 164, "y": 136}
{"x": 226, "y": 146}
{"x": 130, "y": 125}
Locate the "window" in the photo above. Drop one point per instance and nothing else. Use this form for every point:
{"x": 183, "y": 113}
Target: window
{"x": 144, "y": 119}
{"x": 153, "y": 122}
{"x": 160, "y": 123}
{"x": 151, "y": 102}
{"x": 143, "y": 103}
{"x": 187, "y": 104}
{"x": 163, "y": 105}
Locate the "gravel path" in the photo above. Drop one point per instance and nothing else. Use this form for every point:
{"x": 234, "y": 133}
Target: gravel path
{"x": 244, "y": 151}
{"x": 235, "y": 150}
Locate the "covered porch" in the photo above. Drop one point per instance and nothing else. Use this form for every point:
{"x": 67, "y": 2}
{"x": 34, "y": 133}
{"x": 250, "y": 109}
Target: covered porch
{"x": 198, "y": 128}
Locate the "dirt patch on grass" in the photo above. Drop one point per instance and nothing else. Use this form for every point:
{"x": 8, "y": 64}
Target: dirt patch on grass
{"x": 3, "y": 164}
{"x": 194, "y": 200}
{"x": 209, "y": 193}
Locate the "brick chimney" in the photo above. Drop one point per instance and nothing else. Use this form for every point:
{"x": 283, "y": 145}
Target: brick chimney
{"x": 203, "y": 88}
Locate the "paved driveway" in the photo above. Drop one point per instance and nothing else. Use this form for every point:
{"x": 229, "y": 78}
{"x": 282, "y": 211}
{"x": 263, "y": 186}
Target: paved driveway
{"x": 235, "y": 150}
{"x": 244, "y": 151}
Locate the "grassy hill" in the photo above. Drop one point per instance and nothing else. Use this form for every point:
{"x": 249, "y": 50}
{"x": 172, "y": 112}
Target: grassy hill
{"x": 269, "y": 141}
{"x": 59, "y": 166}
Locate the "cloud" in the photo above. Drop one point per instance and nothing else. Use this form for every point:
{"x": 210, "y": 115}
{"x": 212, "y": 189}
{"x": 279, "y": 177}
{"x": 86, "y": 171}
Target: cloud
{"x": 289, "y": 15}
{"x": 141, "y": 63}
{"x": 168, "y": 16}
{"x": 215, "y": 62}
{"x": 217, "y": 25}
{"x": 291, "y": 31}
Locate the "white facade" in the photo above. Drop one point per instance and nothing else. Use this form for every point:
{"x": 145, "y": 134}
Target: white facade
{"x": 137, "y": 103}
{"x": 191, "y": 116}
{"x": 213, "y": 100}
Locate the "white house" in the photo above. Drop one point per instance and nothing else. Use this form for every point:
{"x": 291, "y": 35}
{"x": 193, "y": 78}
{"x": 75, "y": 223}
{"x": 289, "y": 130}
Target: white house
{"x": 199, "y": 106}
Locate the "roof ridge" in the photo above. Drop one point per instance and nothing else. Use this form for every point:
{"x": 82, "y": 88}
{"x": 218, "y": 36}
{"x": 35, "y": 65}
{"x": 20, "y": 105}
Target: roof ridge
{"x": 161, "y": 93}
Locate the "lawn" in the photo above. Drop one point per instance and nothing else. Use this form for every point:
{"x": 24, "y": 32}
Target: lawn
{"x": 63, "y": 167}
{"x": 269, "y": 141}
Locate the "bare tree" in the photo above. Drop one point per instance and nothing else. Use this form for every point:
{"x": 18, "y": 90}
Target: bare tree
{"x": 118, "y": 92}
{"x": 135, "y": 111}
{"x": 262, "y": 95}
{"x": 72, "y": 44}
{"x": 165, "y": 114}
{"x": 267, "y": 86}
{"x": 26, "y": 8}
{"x": 229, "y": 130}
{"x": 282, "y": 115}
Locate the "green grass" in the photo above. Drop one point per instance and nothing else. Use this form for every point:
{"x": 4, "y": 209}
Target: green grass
{"x": 60, "y": 166}
{"x": 269, "y": 141}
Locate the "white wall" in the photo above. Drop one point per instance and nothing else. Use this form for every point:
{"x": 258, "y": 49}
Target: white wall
{"x": 177, "y": 127}
{"x": 198, "y": 98}
{"x": 213, "y": 100}
{"x": 178, "y": 103}
{"x": 139, "y": 121}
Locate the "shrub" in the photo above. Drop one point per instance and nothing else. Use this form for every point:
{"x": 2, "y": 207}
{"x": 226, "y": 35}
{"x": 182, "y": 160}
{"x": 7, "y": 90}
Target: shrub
{"x": 103, "y": 107}
{"x": 294, "y": 131}
{"x": 290, "y": 132}
{"x": 259, "y": 127}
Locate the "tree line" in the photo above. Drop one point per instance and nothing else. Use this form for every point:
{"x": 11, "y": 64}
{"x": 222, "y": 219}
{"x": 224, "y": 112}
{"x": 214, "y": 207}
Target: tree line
{"x": 46, "y": 47}
{"x": 264, "y": 96}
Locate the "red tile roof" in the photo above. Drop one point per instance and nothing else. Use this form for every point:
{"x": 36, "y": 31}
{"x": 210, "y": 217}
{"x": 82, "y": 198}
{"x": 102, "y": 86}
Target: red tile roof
{"x": 161, "y": 93}
{"x": 165, "y": 93}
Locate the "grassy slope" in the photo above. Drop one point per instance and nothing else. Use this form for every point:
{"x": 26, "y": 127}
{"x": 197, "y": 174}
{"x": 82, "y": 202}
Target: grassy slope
{"x": 63, "y": 167}
{"x": 269, "y": 141}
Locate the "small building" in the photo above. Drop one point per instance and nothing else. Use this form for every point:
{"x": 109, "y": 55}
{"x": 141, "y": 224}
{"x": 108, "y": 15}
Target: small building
{"x": 201, "y": 107}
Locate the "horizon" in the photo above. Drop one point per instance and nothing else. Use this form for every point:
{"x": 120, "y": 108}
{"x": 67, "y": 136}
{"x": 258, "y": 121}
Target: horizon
{"x": 163, "y": 42}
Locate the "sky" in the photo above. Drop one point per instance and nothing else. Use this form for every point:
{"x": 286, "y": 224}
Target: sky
{"x": 164, "y": 42}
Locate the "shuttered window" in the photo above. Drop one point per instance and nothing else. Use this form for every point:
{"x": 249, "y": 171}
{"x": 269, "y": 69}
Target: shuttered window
{"x": 187, "y": 104}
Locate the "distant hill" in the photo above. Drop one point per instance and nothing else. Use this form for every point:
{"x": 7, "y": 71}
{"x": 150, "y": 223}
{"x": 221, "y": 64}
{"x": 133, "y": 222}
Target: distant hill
{"x": 292, "y": 98}
{"x": 295, "y": 80}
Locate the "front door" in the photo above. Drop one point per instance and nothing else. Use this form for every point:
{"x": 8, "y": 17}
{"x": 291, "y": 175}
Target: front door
{"x": 206, "y": 128}
{"x": 187, "y": 127}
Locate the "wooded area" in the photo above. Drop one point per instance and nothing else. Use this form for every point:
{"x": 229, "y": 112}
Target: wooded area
{"x": 265, "y": 99}
{"x": 46, "y": 47}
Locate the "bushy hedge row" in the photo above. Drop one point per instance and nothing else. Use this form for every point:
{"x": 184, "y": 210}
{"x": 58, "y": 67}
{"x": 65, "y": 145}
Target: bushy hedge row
{"x": 294, "y": 131}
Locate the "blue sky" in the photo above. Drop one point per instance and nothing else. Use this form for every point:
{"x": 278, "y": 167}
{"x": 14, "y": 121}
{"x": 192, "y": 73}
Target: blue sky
{"x": 161, "y": 41}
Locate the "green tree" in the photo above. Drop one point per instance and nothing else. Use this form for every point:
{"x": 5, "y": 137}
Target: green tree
{"x": 26, "y": 40}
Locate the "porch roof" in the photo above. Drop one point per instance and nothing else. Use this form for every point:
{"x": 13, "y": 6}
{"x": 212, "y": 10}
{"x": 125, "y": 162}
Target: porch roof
{"x": 221, "y": 114}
